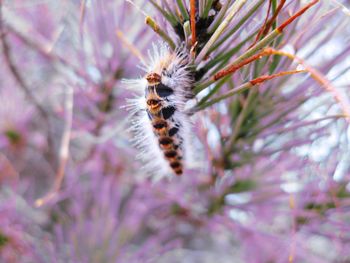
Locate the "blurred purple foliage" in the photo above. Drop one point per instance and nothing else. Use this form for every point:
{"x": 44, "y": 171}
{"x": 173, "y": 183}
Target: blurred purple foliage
{"x": 280, "y": 193}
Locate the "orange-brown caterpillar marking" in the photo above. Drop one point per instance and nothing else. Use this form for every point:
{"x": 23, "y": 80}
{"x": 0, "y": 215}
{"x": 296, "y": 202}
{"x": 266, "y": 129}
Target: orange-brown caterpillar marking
{"x": 178, "y": 171}
{"x": 170, "y": 154}
{"x": 165, "y": 142}
{"x": 160, "y": 126}
{"x": 175, "y": 164}
{"x": 154, "y": 103}
{"x": 153, "y": 78}
{"x": 161, "y": 117}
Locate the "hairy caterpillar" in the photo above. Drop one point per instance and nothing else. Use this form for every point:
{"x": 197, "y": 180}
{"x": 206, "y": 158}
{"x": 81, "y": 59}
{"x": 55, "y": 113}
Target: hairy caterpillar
{"x": 159, "y": 121}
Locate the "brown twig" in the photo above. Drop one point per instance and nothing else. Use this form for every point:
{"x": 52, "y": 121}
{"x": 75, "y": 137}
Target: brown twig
{"x": 274, "y": 17}
{"x": 268, "y": 23}
{"x": 248, "y": 85}
{"x": 234, "y": 67}
{"x": 248, "y": 55}
{"x": 296, "y": 15}
{"x": 264, "y": 78}
{"x": 262, "y": 29}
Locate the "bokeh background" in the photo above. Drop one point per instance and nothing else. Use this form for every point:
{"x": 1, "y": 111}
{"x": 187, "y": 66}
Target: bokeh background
{"x": 72, "y": 189}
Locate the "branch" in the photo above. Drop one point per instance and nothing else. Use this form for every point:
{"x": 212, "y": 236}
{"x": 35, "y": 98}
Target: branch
{"x": 243, "y": 87}
{"x": 153, "y": 24}
{"x": 64, "y": 150}
{"x": 320, "y": 78}
{"x": 23, "y": 85}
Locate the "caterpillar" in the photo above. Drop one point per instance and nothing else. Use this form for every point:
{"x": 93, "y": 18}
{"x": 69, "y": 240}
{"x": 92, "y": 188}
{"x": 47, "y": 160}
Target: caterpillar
{"x": 159, "y": 122}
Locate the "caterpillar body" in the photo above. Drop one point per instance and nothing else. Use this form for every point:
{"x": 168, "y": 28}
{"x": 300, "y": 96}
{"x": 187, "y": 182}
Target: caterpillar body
{"x": 160, "y": 123}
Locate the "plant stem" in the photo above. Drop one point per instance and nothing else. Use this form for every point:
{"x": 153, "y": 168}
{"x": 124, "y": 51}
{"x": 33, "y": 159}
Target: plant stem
{"x": 238, "y": 26}
{"x": 234, "y": 9}
{"x": 207, "y": 8}
{"x": 232, "y": 92}
{"x": 149, "y": 21}
{"x": 248, "y": 85}
{"x": 169, "y": 17}
{"x": 183, "y": 10}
